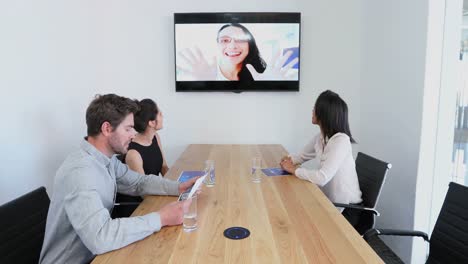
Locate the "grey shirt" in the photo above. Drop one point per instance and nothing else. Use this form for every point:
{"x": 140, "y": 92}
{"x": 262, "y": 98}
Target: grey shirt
{"x": 79, "y": 225}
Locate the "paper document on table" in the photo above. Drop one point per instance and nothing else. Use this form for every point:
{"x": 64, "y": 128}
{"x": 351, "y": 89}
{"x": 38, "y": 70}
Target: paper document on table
{"x": 187, "y": 175}
{"x": 196, "y": 186}
{"x": 275, "y": 172}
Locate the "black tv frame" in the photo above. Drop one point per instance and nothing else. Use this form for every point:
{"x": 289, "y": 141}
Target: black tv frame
{"x": 237, "y": 86}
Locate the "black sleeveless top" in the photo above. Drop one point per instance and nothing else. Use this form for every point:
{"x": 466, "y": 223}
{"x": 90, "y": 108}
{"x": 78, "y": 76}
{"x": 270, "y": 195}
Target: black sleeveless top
{"x": 152, "y": 164}
{"x": 151, "y": 156}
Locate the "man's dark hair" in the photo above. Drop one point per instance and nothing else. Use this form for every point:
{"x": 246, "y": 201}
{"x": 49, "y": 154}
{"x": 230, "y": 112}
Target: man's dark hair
{"x": 332, "y": 114}
{"x": 148, "y": 112}
{"x": 108, "y": 108}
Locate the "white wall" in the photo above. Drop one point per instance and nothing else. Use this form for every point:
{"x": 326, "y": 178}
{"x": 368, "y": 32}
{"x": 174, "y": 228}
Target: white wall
{"x": 56, "y": 55}
{"x": 392, "y": 81}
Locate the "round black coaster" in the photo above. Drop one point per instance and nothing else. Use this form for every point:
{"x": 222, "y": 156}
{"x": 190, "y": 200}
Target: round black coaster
{"x": 236, "y": 232}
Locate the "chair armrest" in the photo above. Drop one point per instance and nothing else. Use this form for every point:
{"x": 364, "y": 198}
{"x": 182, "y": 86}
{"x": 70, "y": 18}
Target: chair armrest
{"x": 126, "y": 203}
{"x": 395, "y": 232}
{"x": 357, "y": 207}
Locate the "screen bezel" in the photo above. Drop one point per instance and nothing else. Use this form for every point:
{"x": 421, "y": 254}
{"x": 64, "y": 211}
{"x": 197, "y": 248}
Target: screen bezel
{"x": 237, "y": 86}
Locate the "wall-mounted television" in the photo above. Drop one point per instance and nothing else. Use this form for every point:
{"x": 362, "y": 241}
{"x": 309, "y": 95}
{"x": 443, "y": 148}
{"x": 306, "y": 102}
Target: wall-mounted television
{"x": 237, "y": 51}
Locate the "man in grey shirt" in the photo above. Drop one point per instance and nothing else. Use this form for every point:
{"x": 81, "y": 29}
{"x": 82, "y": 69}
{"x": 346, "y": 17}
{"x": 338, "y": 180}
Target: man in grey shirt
{"x": 79, "y": 225}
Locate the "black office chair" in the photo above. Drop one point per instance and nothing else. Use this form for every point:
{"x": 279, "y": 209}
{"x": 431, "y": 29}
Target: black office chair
{"x": 124, "y": 204}
{"x": 371, "y": 174}
{"x": 22, "y": 227}
{"x": 449, "y": 239}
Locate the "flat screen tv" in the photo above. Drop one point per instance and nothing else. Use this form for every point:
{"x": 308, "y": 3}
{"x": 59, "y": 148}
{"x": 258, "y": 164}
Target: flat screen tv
{"x": 237, "y": 51}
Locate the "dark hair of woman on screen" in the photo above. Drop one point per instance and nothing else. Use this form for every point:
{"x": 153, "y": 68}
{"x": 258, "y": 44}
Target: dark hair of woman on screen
{"x": 336, "y": 173}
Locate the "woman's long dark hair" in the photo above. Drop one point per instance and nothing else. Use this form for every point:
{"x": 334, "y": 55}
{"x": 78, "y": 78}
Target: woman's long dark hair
{"x": 148, "y": 112}
{"x": 332, "y": 114}
{"x": 253, "y": 57}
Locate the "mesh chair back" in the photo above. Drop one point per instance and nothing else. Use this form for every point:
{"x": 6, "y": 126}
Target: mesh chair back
{"x": 449, "y": 239}
{"x": 22, "y": 227}
{"x": 371, "y": 174}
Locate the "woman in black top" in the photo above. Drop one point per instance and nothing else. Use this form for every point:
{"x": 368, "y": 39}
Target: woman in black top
{"x": 144, "y": 153}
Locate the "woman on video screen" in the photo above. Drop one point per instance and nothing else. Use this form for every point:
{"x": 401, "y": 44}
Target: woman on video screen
{"x": 236, "y": 49}
{"x": 238, "y": 59}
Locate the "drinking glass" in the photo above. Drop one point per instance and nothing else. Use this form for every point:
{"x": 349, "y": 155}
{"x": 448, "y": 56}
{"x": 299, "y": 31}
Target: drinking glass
{"x": 190, "y": 212}
{"x": 256, "y": 169}
{"x": 210, "y": 171}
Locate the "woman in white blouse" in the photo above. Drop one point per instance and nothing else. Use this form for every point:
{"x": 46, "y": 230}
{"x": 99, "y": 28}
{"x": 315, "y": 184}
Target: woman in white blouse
{"x": 336, "y": 174}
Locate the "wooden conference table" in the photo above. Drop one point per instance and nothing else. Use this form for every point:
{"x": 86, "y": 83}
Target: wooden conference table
{"x": 290, "y": 220}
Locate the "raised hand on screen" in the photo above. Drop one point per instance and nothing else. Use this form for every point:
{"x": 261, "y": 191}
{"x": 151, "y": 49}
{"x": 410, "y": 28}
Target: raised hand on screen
{"x": 196, "y": 65}
{"x": 275, "y": 69}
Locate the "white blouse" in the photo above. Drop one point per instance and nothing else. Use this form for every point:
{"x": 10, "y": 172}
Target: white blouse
{"x": 336, "y": 175}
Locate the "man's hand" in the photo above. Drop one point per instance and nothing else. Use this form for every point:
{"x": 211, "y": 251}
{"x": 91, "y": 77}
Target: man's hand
{"x": 172, "y": 213}
{"x": 187, "y": 184}
{"x": 288, "y": 166}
